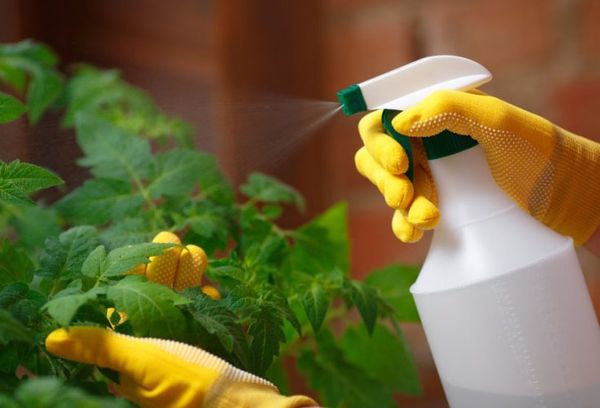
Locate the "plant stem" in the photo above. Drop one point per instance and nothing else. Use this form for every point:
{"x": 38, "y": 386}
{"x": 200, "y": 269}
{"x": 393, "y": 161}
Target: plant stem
{"x": 147, "y": 198}
{"x": 301, "y": 342}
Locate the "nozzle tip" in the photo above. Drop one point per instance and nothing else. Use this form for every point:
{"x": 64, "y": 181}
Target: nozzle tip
{"x": 352, "y": 100}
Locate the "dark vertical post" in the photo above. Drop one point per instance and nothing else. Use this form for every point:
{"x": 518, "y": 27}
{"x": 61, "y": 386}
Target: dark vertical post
{"x": 269, "y": 46}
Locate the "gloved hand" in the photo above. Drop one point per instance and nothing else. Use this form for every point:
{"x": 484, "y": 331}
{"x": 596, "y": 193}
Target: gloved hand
{"x": 178, "y": 267}
{"x": 168, "y": 374}
{"x": 551, "y": 173}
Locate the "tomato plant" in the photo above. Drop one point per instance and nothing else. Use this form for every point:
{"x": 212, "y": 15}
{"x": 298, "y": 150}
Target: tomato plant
{"x": 280, "y": 290}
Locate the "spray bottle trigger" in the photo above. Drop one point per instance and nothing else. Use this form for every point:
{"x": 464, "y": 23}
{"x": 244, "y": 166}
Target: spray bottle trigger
{"x": 386, "y": 117}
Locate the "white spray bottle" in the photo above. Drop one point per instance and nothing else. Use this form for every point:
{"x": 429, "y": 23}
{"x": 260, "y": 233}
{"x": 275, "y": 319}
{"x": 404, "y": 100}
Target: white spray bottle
{"x": 501, "y": 297}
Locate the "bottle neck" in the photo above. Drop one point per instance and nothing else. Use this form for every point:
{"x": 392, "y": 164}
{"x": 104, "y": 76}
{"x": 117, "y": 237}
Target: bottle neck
{"x": 466, "y": 189}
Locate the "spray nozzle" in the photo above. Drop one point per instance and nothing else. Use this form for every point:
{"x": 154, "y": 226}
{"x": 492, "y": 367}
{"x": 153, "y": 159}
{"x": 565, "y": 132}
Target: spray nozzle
{"x": 404, "y": 87}
{"x": 352, "y": 100}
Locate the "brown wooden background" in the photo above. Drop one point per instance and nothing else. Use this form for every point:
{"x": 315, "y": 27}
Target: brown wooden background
{"x": 201, "y": 59}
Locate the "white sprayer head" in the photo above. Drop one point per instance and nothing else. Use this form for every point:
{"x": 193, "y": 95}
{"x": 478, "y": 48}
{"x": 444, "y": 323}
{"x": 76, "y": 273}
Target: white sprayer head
{"x": 403, "y": 87}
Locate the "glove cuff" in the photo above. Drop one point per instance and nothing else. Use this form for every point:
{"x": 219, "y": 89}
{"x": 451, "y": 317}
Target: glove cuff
{"x": 231, "y": 394}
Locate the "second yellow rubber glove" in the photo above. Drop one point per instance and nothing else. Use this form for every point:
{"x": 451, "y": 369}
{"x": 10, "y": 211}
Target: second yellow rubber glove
{"x": 551, "y": 173}
{"x": 168, "y": 374}
{"x": 178, "y": 268}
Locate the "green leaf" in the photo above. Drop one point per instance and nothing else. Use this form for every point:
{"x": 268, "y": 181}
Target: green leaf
{"x": 269, "y": 251}
{"x": 277, "y": 375}
{"x": 102, "y": 93}
{"x": 322, "y": 245}
{"x": 267, "y": 189}
{"x": 43, "y": 90}
{"x": 31, "y": 51}
{"x": 10, "y": 108}
{"x": 219, "y": 321}
{"x": 23, "y": 303}
{"x": 34, "y": 224}
{"x": 365, "y": 299}
{"x": 266, "y": 332}
{"x": 93, "y": 266}
{"x": 393, "y": 283}
{"x": 227, "y": 273}
{"x": 210, "y": 225}
{"x": 338, "y": 381}
{"x": 254, "y": 227}
{"x": 150, "y": 307}
{"x": 109, "y": 151}
{"x": 284, "y": 309}
{"x": 213, "y": 183}
{"x": 315, "y": 302}
{"x": 100, "y": 200}
{"x": 13, "y": 76}
{"x": 38, "y": 61}
{"x": 12, "y": 330}
{"x": 129, "y": 231}
{"x": 121, "y": 260}
{"x": 89, "y": 90}
{"x": 175, "y": 172}
{"x": 15, "y": 265}
{"x": 47, "y": 392}
{"x": 272, "y": 211}
{"x": 64, "y": 308}
{"x": 17, "y": 179}
{"x": 63, "y": 257}
{"x": 384, "y": 356}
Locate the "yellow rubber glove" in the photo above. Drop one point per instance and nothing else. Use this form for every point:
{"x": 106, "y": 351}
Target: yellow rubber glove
{"x": 178, "y": 268}
{"x": 168, "y": 374}
{"x": 551, "y": 173}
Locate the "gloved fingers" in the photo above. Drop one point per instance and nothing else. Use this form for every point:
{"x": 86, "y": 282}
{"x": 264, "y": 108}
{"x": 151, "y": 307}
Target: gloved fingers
{"x": 104, "y": 348}
{"x": 163, "y": 268}
{"x": 460, "y": 112}
{"x": 382, "y": 148}
{"x": 129, "y": 389}
{"x": 192, "y": 264}
{"x": 404, "y": 230}
{"x": 91, "y": 345}
{"x": 423, "y": 212}
{"x": 397, "y": 190}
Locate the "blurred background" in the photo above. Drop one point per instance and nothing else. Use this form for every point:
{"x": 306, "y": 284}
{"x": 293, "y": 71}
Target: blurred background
{"x": 240, "y": 71}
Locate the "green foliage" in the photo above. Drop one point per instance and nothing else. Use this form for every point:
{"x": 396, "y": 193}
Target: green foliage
{"x": 315, "y": 302}
{"x": 48, "y": 392}
{"x": 65, "y": 305}
{"x": 12, "y": 330}
{"x": 393, "y": 283}
{"x": 68, "y": 264}
{"x": 33, "y": 64}
{"x": 263, "y": 188}
{"x": 100, "y": 200}
{"x": 322, "y": 245}
{"x": 63, "y": 256}
{"x": 222, "y": 323}
{"x": 143, "y": 302}
{"x": 10, "y": 108}
{"x": 339, "y": 381}
{"x": 104, "y": 94}
{"x": 111, "y": 152}
{"x": 18, "y": 180}
{"x": 121, "y": 260}
{"x": 15, "y": 265}
{"x": 385, "y": 356}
